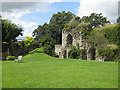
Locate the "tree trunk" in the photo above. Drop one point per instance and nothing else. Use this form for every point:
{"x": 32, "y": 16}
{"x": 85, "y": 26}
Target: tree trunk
{"x": 12, "y": 48}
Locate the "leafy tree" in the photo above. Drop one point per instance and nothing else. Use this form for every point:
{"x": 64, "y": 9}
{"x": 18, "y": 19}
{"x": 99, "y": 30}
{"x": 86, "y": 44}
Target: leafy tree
{"x": 49, "y": 50}
{"x": 29, "y": 41}
{"x": 86, "y": 28}
{"x": 74, "y": 24}
{"x": 97, "y": 39}
{"x": 48, "y": 46}
{"x": 40, "y": 32}
{"x": 54, "y": 28}
{"x": 118, "y": 39}
{"x": 96, "y": 20}
{"x": 48, "y": 41}
{"x": 9, "y": 33}
{"x": 108, "y": 53}
{"x": 111, "y": 32}
{"x": 59, "y": 20}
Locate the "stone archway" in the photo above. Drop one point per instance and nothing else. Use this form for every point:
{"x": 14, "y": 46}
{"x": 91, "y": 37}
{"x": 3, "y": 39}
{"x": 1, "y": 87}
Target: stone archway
{"x": 60, "y": 55}
{"x": 91, "y": 53}
{"x": 69, "y": 39}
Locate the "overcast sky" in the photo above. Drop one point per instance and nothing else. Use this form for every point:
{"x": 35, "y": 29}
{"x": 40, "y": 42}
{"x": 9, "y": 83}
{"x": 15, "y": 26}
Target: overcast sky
{"x": 30, "y": 14}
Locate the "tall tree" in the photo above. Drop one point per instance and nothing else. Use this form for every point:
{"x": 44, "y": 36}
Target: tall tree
{"x": 59, "y": 20}
{"x": 40, "y": 32}
{"x": 9, "y": 33}
{"x": 55, "y": 26}
{"x": 96, "y": 20}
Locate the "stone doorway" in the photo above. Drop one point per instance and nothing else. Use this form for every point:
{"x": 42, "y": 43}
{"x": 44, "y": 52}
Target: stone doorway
{"x": 92, "y": 52}
{"x": 83, "y": 54}
{"x": 60, "y": 55}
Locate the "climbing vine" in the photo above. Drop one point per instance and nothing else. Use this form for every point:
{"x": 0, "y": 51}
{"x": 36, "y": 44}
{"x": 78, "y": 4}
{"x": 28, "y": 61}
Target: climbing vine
{"x": 111, "y": 32}
{"x": 75, "y": 26}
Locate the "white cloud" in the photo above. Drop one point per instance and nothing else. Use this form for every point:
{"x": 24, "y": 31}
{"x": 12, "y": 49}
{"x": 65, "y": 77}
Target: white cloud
{"x": 109, "y": 8}
{"x": 14, "y": 15}
{"x": 15, "y": 9}
{"x": 27, "y": 26}
{"x": 14, "y": 12}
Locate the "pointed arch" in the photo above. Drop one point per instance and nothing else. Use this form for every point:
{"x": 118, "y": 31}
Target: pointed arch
{"x": 69, "y": 39}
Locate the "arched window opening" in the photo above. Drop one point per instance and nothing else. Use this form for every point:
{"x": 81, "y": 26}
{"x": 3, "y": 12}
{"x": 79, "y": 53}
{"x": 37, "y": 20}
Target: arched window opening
{"x": 69, "y": 40}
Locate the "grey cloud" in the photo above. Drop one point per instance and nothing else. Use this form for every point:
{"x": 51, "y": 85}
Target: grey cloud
{"x": 10, "y": 6}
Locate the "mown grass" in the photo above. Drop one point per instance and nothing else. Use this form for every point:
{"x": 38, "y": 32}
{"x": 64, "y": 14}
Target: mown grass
{"x": 39, "y": 70}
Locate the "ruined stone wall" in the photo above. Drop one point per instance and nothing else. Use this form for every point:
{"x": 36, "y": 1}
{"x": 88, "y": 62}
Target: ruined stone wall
{"x": 77, "y": 37}
{"x": 58, "y": 49}
{"x": 67, "y": 50}
{"x": 64, "y": 37}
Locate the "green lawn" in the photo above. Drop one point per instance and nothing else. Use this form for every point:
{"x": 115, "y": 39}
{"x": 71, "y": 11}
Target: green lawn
{"x": 39, "y": 70}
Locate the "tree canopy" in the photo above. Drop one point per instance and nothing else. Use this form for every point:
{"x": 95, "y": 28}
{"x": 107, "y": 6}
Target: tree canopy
{"x": 10, "y": 30}
{"x": 58, "y": 22}
{"x": 96, "y": 20}
{"x": 54, "y": 28}
{"x": 9, "y": 33}
{"x": 29, "y": 41}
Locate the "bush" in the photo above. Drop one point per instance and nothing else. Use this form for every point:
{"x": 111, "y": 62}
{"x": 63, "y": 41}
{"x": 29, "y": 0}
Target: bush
{"x": 48, "y": 49}
{"x": 48, "y": 41}
{"x": 84, "y": 54}
{"x": 108, "y": 53}
{"x": 48, "y": 46}
{"x": 97, "y": 39}
{"x": 117, "y": 58}
{"x": 117, "y": 55}
{"x": 74, "y": 53}
{"x": 10, "y": 58}
{"x": 111, "y": 32}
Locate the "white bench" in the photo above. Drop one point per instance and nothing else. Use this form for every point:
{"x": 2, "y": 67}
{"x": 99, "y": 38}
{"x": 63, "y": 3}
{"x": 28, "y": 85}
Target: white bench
{"x": 19, "y": 59}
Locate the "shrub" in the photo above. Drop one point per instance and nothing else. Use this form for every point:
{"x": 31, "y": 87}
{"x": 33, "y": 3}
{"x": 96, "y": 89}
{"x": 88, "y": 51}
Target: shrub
{"x": 111, "y": 32}
{"x": 48, "y": 49}
{"x": 48, "y": 46}
{"x": 117, "y": 55}
{"x": 108, "y": 53}
{"x": 74, "y": 53}
{"x": 117, "y": 58}
{"x": 86, "y": 28}
{"x": 97, "y": 39}
{"x": 84, "y": 54}
{"x": 10, "y": 58}
{"x": 78, "y": 47}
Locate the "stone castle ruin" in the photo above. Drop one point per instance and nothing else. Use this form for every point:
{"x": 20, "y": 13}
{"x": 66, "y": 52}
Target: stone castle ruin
{"x": 71, "y": 38}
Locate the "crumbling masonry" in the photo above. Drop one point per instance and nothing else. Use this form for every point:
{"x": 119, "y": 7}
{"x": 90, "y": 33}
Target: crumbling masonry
{"x": 71, "y": 38}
